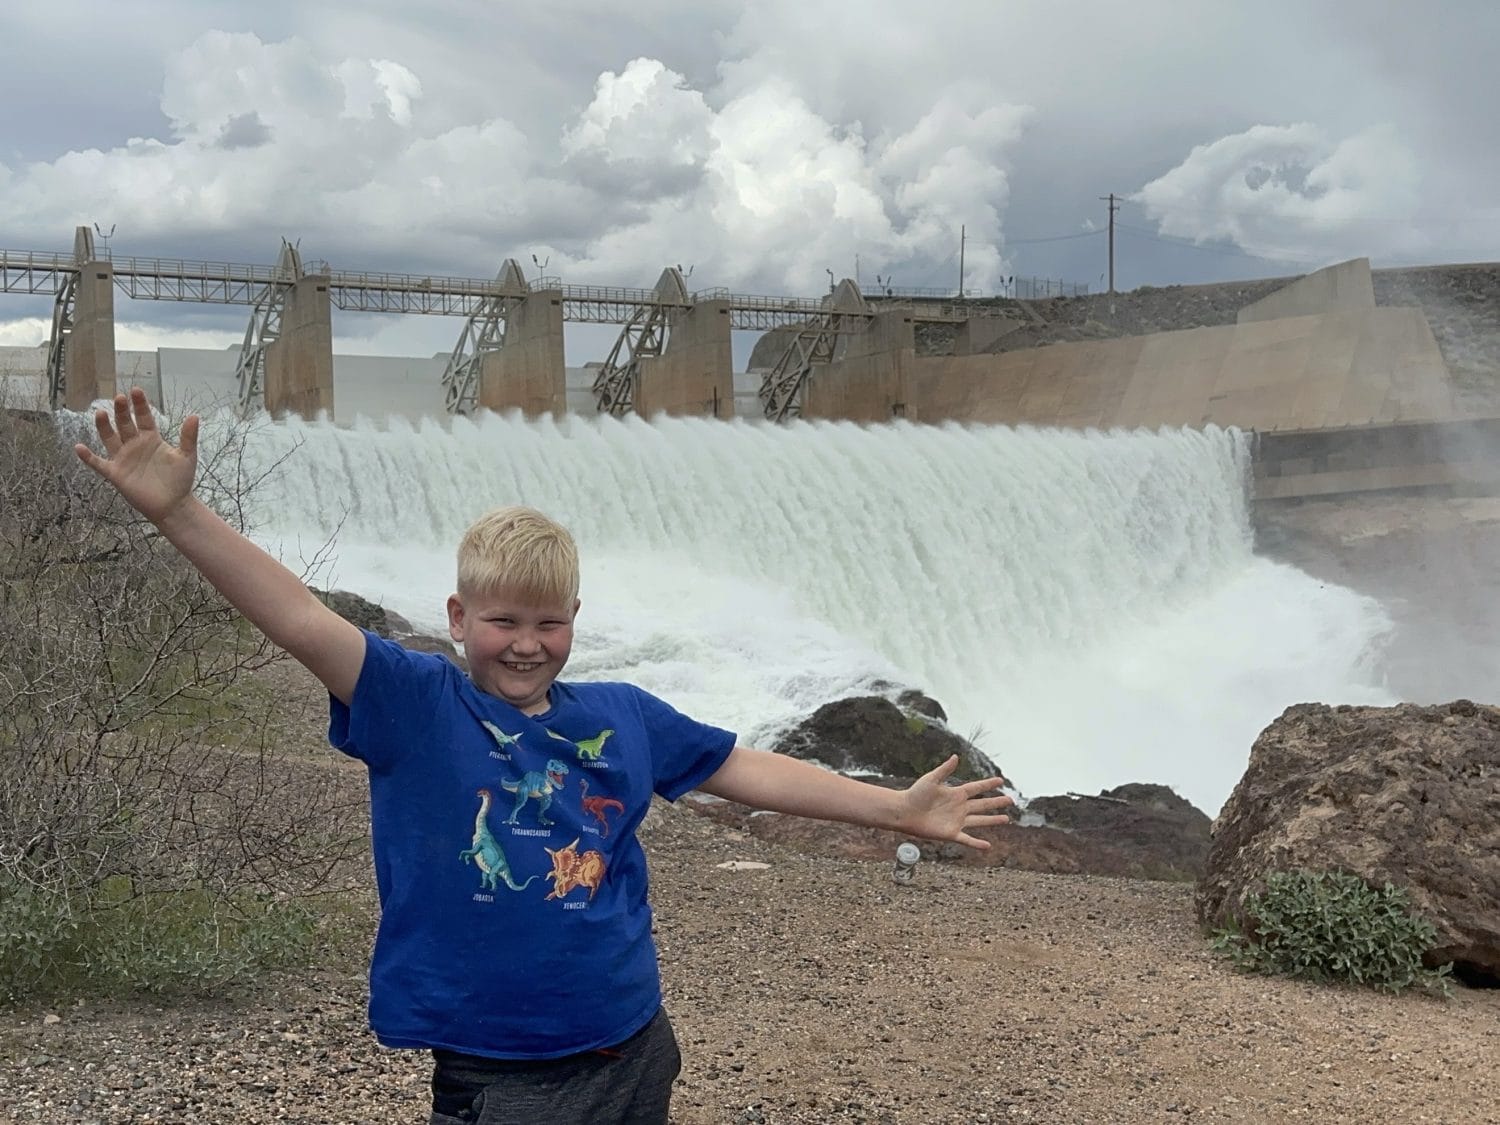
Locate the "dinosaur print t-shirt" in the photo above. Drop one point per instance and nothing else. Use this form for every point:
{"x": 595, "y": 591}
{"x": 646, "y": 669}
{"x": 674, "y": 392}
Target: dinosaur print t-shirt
{"x": 514, "y": 920}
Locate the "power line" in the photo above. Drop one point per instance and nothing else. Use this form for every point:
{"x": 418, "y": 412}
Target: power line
{"x": 1054, "y": 238}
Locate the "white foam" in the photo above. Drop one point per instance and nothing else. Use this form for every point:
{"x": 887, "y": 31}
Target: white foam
{"x": 1091, "y": 600}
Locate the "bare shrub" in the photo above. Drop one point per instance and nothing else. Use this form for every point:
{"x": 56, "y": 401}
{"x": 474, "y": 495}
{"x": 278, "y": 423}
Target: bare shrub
{"x": 150, "y": 834}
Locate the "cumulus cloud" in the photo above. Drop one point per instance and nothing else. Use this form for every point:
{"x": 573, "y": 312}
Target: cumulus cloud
{"x": 268, "y": 137}
{"x": 781, "y": 195}
{"x": 645, "y": 133}
{"x": 755, "y": 187}
{"x": 1292, "y": 192}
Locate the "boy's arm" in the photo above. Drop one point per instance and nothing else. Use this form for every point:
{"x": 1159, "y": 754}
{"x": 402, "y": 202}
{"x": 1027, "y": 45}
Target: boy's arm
{"x": 156, "y": 479}
{"x": 930, "y": 808}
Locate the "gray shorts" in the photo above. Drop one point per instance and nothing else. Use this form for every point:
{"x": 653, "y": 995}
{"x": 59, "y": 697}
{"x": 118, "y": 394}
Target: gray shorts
{"x": 627, "y": 1084}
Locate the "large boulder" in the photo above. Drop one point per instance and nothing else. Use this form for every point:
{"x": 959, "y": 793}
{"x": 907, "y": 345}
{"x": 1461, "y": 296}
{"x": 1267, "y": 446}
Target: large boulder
{"x": 362, "y": 612}
{"x": 895, "y": 740}
{"x": 1407, "y": 794}
{"x": 1150, "y": 824}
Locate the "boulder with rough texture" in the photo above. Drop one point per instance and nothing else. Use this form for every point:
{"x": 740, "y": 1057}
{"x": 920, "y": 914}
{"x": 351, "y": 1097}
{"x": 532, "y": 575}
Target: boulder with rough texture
{"x": 870, "y": 732}
{"x": 1150, "y": 824}
{"x": 386, "y": 623}
{"x": 1407, "y": 794}
{"x": 362, "y": 612}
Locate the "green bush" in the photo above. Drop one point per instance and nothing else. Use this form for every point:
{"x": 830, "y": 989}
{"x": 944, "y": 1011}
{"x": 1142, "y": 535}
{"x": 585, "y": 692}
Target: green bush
{"x": 106, "y": 940}
{"x": 1333, "y": 926}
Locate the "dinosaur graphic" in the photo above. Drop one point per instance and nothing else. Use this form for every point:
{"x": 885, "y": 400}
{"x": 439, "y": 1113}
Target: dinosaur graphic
{"x": 538, "y": 784}
{"x": 571, "y": 870}
{"x": 502, "y": 740}
{"x": 486, "y": 854}
{"x": 591, "y": 748}
{"x": 598, "y": 806}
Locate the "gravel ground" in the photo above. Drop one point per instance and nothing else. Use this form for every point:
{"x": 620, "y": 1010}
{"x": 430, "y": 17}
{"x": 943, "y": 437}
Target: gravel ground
{"x": 816, "y": 990}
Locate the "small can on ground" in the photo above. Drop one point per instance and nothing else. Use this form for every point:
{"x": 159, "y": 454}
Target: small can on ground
{"x": 905, "y": 867}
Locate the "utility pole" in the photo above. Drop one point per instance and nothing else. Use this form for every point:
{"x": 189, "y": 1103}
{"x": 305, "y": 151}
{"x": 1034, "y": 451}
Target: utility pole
{"x": 1114, "y": 205}
{"x": 962, "y": 231}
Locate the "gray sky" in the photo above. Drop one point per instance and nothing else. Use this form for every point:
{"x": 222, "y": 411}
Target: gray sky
{"x": 761, "y": 143}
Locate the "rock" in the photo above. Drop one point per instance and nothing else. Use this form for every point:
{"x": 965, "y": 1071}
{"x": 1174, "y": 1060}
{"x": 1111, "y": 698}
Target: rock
{"x": 913, "y": 700}
{"x": 1148, "y": 824}
{"x": 361, "y": 612}
{"x": 365, "y": 614}
{"x": 872, "y": 733}
{"x": 420, "y": 642}
{"x": 1404, "y": 794}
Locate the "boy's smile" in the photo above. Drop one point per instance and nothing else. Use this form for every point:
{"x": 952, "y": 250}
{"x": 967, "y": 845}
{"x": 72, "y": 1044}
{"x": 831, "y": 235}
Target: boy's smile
{"x": 515, "y": 648}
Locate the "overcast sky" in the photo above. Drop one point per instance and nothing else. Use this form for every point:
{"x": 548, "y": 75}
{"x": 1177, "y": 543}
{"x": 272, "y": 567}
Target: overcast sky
{"x": 762, "y": 143}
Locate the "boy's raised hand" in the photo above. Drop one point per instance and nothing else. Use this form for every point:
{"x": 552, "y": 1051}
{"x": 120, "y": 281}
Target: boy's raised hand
{"x": 939, "y": 811}
{"x": 153, "y": 476}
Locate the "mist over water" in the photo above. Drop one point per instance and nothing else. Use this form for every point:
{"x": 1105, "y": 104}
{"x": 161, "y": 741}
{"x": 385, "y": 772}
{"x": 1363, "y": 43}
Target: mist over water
{"x": 1091, "y": 601}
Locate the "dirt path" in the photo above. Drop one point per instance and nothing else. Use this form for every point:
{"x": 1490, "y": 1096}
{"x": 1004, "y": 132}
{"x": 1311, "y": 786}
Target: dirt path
{"x": 817, "y": 991}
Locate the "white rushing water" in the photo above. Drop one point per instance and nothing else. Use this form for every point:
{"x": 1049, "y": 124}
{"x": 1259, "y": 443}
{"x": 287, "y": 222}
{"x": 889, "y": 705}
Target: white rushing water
{"x": 1091, "y": 601}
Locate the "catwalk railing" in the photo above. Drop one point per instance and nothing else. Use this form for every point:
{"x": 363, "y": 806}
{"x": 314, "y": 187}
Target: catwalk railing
{"x": 236, "y": 283}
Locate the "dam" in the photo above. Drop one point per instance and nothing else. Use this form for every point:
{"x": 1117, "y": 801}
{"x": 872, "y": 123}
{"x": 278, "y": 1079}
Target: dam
{"x": 1044, "y": 522}
{"x": 1340, "y": 394}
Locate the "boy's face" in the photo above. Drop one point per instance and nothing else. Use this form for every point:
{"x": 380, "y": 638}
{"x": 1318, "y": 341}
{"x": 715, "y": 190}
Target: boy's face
{"x": 515, "y": 648}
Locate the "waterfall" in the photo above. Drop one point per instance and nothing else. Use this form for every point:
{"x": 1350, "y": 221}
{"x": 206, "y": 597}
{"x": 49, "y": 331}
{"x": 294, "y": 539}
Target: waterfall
{"x": 1091, "y": 603}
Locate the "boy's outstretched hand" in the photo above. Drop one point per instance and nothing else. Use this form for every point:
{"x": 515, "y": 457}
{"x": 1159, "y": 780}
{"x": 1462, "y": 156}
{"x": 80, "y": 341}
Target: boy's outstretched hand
{"x": 939, "y": 811}
{"x": 931, "y": 808}
{"x": 153, "y": 476}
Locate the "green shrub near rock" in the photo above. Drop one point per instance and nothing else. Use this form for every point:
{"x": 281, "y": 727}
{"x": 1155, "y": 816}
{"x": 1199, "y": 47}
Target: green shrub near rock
{"x": 1332, "y": 926}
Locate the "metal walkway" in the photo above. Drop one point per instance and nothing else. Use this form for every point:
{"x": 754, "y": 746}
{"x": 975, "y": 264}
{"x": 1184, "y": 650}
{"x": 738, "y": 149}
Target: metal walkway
{"x": 234, "y": 283}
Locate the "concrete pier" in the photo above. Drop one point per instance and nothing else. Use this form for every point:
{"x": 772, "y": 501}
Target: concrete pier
{"x": 694, "y": 375}
{"x": 868, "y": 380}
{"x": 89, "y": 356}
{"x": 299, "y": 363}
{"x": 528, "y": 373}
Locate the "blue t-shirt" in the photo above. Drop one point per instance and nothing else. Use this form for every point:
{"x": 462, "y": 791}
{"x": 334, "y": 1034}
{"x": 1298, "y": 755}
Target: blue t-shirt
{"x": 514, "y": 920}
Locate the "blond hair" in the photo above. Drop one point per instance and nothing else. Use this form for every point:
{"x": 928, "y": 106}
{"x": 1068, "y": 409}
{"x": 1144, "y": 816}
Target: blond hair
{"x": 521, "y": 552}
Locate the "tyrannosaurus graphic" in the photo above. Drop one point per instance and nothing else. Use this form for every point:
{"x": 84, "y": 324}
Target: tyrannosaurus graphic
{"x": 538, "y": 784}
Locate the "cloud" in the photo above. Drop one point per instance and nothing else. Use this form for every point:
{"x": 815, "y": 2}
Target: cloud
{"x": 1289, "y": 191}
{"x": 245, "y": 130}
{"x": 271, "y": 137}
{"x": 33, "y": 332}
{"x": 645, "y": 133}
{"x": 781, "y": 193}
{"x": 754, "y": 186}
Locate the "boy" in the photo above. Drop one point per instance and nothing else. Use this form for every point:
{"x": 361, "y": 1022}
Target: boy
{"x": 515, "y": 934}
